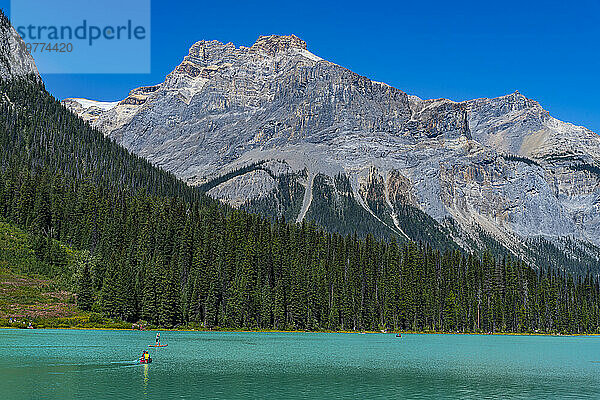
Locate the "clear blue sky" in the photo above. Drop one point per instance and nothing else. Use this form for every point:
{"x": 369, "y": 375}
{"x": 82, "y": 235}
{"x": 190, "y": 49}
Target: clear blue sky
{"x": 547, "y": 50}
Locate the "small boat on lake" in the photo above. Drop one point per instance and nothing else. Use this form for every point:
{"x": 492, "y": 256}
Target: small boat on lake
{"x": 145, "y": 358}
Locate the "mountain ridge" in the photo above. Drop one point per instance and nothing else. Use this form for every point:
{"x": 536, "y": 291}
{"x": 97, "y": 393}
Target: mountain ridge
{"x": 503, "y": 165}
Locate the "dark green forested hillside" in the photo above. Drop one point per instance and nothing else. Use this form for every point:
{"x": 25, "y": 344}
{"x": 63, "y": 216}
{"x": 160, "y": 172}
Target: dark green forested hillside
{"x": 40, "y": 133}
{"x": 157, "y": 250}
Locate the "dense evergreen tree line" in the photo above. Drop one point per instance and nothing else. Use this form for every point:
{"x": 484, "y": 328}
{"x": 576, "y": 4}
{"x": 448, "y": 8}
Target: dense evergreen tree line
{"x": 169, "y": 262}
{"x": 164, "y": 254}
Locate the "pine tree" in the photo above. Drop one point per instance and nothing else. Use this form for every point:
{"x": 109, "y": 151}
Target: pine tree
{"x": 85, "y": 291}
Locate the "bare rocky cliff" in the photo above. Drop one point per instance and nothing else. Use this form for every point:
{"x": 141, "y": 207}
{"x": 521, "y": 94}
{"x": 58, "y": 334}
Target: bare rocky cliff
{"x": 15, "y": 61}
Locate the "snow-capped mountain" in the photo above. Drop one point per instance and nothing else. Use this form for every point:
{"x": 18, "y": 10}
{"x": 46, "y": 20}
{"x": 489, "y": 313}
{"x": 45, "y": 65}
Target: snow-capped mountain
{"x": 89, "y": 110}
{"x": 276, "y": 129}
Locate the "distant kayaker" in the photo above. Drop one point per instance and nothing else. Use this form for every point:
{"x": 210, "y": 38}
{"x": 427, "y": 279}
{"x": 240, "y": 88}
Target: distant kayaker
{"x": 157, "y": 338}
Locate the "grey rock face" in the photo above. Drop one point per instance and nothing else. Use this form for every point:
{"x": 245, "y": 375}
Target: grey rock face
{"x": 503, "y": 165}
{"x": 251, "y": 186}
{"x": 15, "y": 61}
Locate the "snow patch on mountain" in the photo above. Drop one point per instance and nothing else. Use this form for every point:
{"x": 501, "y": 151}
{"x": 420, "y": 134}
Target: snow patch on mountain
{"x": 308, "y": 54}
{"x": 103, "y": 105}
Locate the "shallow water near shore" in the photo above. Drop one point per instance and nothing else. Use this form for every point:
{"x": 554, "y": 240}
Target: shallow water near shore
{"x": 65, "y": 364}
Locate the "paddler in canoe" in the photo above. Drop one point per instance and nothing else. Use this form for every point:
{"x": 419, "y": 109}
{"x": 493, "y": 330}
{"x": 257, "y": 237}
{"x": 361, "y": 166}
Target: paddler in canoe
{"x": 145, "y": 358}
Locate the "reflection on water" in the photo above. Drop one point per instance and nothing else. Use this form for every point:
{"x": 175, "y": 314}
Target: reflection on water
{"x": 146, "y": 379}
{"x": 296, "y": 365}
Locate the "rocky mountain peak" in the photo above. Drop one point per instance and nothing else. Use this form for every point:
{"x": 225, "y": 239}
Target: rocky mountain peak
{"x": 505, "y": 104}
{"x": 501, "y": 165}
{"x": 516, "y": 101}
{"x": 210, "y": 52}
{"x": 504, "y": 122}
{"x": 274, "y": 44}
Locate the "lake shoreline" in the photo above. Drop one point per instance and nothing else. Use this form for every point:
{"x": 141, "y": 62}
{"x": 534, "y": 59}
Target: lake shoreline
{"x": 302, "y": 331}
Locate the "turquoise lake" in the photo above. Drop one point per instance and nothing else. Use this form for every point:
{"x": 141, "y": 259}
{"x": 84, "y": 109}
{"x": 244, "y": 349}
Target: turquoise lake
{"x": 69, "y": 364}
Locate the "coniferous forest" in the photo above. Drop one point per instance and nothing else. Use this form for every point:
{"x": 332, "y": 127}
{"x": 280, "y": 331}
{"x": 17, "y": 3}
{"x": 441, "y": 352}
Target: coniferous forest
{"x": 160, "y": 251}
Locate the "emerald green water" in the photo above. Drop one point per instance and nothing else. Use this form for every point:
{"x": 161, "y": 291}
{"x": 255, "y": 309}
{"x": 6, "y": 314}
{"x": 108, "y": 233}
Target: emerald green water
{"x": 66, "y": 364}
